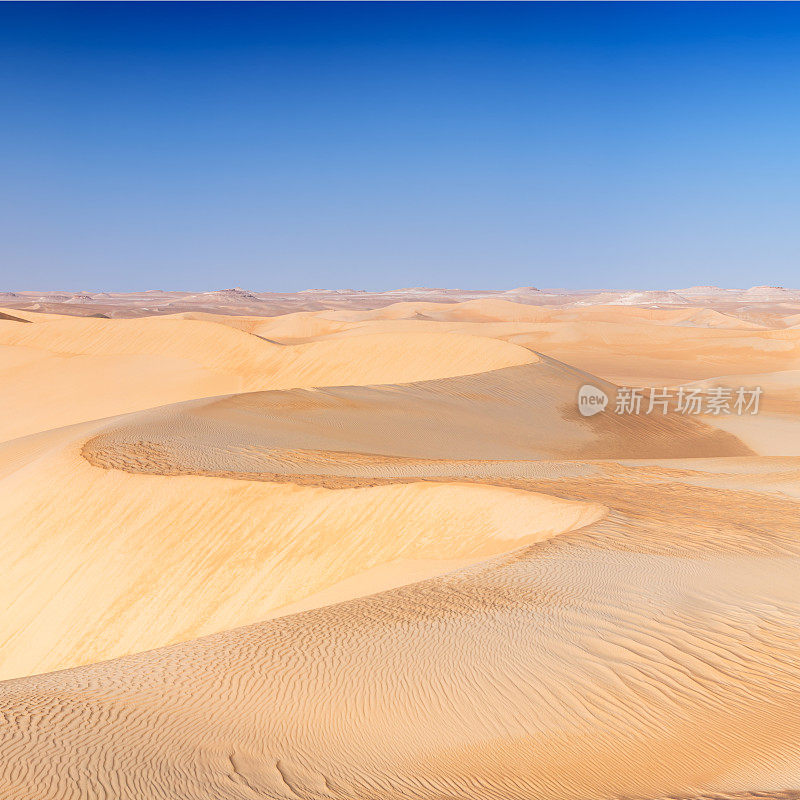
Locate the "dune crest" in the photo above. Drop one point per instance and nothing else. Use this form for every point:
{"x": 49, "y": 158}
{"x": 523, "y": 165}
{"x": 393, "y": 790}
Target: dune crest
{"x": 169, "y": 560}
{"x": 74, "y": 369}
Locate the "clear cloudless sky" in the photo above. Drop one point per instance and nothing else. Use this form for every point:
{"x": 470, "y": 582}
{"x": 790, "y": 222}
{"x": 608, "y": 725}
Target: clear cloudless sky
{"x": 358, "y": 145}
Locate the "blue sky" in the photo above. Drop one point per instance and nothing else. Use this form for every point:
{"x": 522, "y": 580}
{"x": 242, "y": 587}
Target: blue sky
{"x": 288, "y": 146}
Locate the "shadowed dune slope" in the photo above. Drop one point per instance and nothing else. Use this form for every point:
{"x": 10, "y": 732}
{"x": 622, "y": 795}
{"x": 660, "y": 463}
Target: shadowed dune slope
{"x": 520, "y": 413}
{"x": 11, "y": 318}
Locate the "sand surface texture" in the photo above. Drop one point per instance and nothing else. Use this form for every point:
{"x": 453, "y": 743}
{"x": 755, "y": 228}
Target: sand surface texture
{"x": 352, "y": 547}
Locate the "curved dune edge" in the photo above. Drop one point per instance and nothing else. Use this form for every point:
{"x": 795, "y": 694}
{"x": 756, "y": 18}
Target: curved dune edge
{"x": 152, "y": 560}
{"x": 60, "y": 371}
{"x": 523, "y": 414}
{"x": 593, "y": 664}
{"x": 146, "y": 561}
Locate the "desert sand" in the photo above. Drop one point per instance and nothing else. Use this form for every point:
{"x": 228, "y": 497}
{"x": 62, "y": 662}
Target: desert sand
{"x": 354, "y": 546}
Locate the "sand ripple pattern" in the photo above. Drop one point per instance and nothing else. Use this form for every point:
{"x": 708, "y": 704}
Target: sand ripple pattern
{"x": 556, "y": 671}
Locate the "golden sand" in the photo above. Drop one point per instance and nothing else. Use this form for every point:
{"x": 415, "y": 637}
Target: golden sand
{"x": 363, "y": 554}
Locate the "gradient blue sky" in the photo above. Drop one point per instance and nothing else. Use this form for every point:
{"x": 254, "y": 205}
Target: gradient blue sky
{"x": 287, "y": 146}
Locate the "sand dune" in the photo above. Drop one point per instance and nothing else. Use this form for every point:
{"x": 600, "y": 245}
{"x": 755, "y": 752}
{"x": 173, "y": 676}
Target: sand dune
{"x": 423, "y": 573}
{"x": 625, "y": 344}
{"x": 664, "y": 356}
{"x": 557, "y": 671}
{"x": 184, "y": 539}
{"x": 526, "y": 413}
{"x": 170, "y": 560}
{"x": 69, "y": 370}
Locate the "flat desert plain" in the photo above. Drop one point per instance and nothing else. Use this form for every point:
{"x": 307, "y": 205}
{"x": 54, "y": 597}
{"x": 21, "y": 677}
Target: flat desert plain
{"x": 365, "y": 546}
